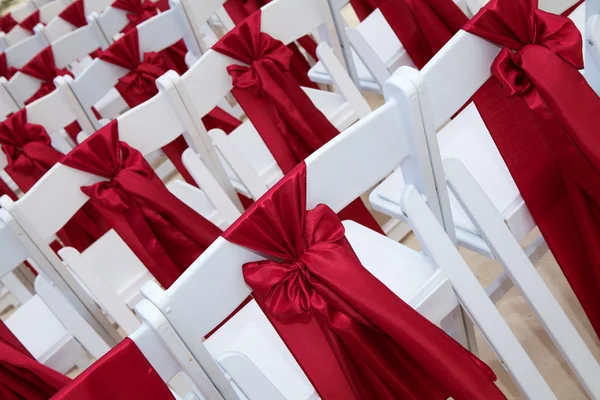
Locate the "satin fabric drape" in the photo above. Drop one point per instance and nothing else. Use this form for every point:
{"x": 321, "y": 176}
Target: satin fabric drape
{"x": 74, "y": 14}
{"x": 422, "y": 26}
{"x": 21, "y": 376}
{"x": 5, "y": 70}
{"x": 139, "y": 85}
{"x": 31, "y": 21}
{"x": 544, "y": 119}
{"x": 139, "y": 11}
{"x": 30, "y": 155}
{"x": 121, "y": 374}
{"x": 7, "y": 22}
{"x": 352, "y": 336}
{"x": 239, "y": 10}
{"x": 284, "y": 116}
{"x": 165, "y": 234}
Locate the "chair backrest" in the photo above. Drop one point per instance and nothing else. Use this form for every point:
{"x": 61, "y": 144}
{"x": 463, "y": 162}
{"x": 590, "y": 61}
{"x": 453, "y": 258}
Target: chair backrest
{"x": 8, "y": 104}
{"x": 77, "y": 44}
{"x": 55, "y": 111}
{"x": 100, "y": 77}
{"x": 58, "y": 27}
{"x": 592, "y": 38}
{"x": 198, "y": 13}
{"x": 57, "y": 196}
{"x": 19, "y": 54}
{"x": 19, "y": 13}
{"x": 335, "y": 178}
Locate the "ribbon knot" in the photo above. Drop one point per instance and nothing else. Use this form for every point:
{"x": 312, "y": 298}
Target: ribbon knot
{"x": 521, "y": 28}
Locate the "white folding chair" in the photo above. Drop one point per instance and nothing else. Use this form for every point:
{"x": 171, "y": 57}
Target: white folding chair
{"x": 433, "y": 281}
{"x": 243, "y": 160}
{"x": 58, "y": 27}
{"x": 467, "y": 59}
{"x": 108, "y": 269}
{"x": 592, "y": 36}
{"x": 19, "y": 13}
{"x": 46, "y": 323}
{"x": 47, "y": 12}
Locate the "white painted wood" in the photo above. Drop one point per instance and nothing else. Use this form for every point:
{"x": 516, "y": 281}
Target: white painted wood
{"x": 8, "y": 104}
{"x": 76, "y": 44}
{"x": 592, "y": 37}
{"x": 518, "y": 266}
{"x": 19, "y": 54}
{"x": 17, "y": 288}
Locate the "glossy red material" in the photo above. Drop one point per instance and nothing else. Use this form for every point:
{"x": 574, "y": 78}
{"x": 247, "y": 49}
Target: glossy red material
{"x": 422, "y": 26}
{"x": 139, "y": 11}
{"x": 284, "y": 116}
{"x": 165, "y": 234}
{"x": 543, "y": 117}
{"x": 352, "y": 336}
{"x": 43, "y": 67}
{"x": 21, "y": 376}
{"x": 31, "y": 21}
{"x": 7, "y": 22}
{"x": 139, "y": 85}
{"x": 239, "y": 10}
{"x": 74, "y": 14}
{"x": 121, "y": 374}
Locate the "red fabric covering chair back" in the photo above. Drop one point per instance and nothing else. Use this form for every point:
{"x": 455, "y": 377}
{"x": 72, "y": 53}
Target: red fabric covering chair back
{"x": 352, "y": 336}
{"x": 121, "y": 374}
{"x": 284, "y": 116}
{"x": 139, "y": 11}
{"x": 21, "y": 376}
{"x": 163, "y": 232}
{"x": 543, "y": 117}
{"x": 31, "y": 21}
{"x": 43, "y": 67}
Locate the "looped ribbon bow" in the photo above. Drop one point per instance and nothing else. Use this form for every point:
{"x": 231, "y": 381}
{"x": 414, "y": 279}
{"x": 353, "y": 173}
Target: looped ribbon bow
{"x": 43, "y": 67}
{"x": 352, "y": 336}
{"x": 520, "y": 27}
{"x": 139, "y": 11}
{"x": 7, "y": 22}
{"x": 165, "y": 234}
{"x": 28, "y": 149}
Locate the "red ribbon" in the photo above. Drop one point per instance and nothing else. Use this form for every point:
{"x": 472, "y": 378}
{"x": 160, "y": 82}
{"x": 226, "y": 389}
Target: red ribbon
{"x": 139, "y": 11}
{"x": 543, "y": 116}
{"x": 352, "y": 336}
{"x": 5, "y": 70}
{"x": 31, "y": 21}
{"x": 30, "y": 155}
{"x": 21, "y": 376}
{"x": 7, "y": 22}
{"x": 239, "y": 10}
{"x": 284, "y": 116}
{"x": 43, "y": 67}
{"x": 74, "y": 14}
{"x": 165, "y": 234}
{"x": 122, "y": 373}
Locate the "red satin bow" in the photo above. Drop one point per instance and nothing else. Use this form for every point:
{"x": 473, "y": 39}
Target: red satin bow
{"x": 165, "y": 234}
{"x": 139, "y": 11}
{"x": 7, "y": 22}
{"x": 21, "y": 376}
{"x": 5, "y": 70}
{"x": 352, "y": 336}
{"x": 121, "y": 374}
{"x": 284, "y": 116}
{"x": 31, "y": 21}
{"x": 75, "y": 14}
{"x": 543, "y": 116}
{"x": 30, "y": 155}
{"x": 239, "y": 10}
{"x": 43, "y": 67}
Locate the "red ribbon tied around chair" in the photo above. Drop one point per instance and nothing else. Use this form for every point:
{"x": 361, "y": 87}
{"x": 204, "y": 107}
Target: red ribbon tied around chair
{"x": 139, "y": 11}
{"x": 5, "y": 70}
{"x": 139, "y": 85}
{"x": 74, "y": 14}
{"x": 239, "y": 10}
{"x": 31, "y": 21}
{"x": 544, "y": 118}
{"x": 30, "y": 155}
{"x": 7, "y": 22}
{"x": 422, "y": 26}
{"x": 121, "y": 374}
{"x": 284, "y": 116}
{"x": 43, "y": 67}
{"x": 352, "y": 336}
{"x": 21, "y": 376}
{"x": 165, "y": 234}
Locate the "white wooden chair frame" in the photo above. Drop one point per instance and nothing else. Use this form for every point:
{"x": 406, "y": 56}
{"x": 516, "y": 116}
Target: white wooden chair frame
{"x": 335, "y": 179}
{"x": 147, "y": 128}
{"x": 19, "y": 13}
{"x": 439, "y": 99}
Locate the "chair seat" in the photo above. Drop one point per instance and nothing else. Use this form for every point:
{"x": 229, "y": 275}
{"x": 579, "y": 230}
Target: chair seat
{"x": 44, "y": 336}
{"x": 249, "y": 332}
{"x": 467, "y": 139}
